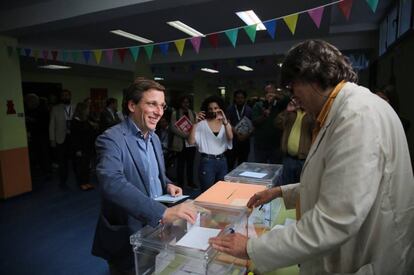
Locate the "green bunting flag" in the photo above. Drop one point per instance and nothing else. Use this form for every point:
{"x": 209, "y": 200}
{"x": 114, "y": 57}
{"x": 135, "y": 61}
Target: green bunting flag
{"x": 75, "y": 56}
{"x": 149, "y": 49}
{"x": 373, "y": 4}
{"x": 251, "y": 32}
{"x": 232, "y": 36}
{"x": 134, "y": 53}
{"x": 64, "y": 56}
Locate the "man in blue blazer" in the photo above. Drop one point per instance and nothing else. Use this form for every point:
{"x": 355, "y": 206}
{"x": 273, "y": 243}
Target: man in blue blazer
{"x": 131, "y": 174}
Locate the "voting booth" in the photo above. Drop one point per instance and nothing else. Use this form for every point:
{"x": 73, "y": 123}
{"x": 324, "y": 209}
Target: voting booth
{"x": 181, "y": 248}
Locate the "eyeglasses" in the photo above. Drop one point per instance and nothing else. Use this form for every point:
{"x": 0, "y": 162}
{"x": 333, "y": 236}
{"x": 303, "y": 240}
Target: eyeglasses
{"x": 155, "y": 105}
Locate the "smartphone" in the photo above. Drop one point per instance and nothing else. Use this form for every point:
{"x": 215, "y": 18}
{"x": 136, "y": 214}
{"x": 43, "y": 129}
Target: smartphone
{"x": 211, "y": 115}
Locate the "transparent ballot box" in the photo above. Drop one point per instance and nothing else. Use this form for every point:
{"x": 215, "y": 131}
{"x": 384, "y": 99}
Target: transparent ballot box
{"x": 235, "y": 195}
{"x": 180, "y": 248}
{"x": 255, "y": 173}
{"x": 259, "y": 173}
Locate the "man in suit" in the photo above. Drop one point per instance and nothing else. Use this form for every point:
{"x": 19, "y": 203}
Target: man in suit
{"x": 131, "y": 173}
{"x": 59, "y": 133}
{"x": 109, "y": 116}
{"x": 356, "y": 190}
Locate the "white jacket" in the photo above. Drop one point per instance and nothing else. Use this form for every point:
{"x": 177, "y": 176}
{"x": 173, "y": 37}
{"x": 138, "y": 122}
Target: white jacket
{"x": 57, "y": 124}
{"x": 356, "y": 194}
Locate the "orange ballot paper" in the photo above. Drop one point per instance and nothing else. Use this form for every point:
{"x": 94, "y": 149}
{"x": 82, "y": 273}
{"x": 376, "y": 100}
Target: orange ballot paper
{"x": 229, "y": 194}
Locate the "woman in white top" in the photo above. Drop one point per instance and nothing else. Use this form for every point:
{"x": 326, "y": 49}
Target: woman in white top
{"x": 212, "y": 134}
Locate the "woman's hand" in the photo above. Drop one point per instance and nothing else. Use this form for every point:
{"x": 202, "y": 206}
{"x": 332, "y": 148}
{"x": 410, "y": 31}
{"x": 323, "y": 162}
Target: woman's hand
{"x": 222, "y": 116}
{"x": 200, "y": 116}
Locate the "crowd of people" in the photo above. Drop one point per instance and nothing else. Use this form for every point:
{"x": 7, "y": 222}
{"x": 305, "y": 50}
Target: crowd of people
{"x": 346, "y": 166}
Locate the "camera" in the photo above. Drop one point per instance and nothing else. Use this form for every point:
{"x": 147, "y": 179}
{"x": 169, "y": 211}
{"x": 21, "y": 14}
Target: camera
{"x": 211, "y": 115}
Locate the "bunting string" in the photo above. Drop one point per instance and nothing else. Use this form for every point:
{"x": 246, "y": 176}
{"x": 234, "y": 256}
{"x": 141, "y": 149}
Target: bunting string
{"x": 289, "y": 20}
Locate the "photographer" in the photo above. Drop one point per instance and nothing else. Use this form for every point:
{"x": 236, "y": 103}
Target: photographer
{"x": 267, "y": 137}
{"x": 213, "y": 136}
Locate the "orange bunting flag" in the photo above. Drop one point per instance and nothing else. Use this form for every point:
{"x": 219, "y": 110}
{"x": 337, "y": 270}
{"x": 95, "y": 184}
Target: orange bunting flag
{"x": 291, "y": 21}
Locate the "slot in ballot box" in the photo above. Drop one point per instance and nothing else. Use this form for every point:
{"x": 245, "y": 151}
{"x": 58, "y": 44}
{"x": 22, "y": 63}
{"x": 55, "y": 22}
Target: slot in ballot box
{"x": 255, "y": 173}
{"x": 180, "y": 248}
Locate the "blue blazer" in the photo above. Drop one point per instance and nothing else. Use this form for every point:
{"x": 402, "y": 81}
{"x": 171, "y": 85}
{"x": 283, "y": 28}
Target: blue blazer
{"x": 124, "y": 184}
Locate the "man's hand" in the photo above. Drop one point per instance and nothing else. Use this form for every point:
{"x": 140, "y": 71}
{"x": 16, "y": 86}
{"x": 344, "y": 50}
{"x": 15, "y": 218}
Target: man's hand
{"x": 264, "y": 196}
{"x": 174, "y": 190}
{"x": 186, "y": 211}
{"x": 233, "y": 244}
{"x": 52, "y": 143}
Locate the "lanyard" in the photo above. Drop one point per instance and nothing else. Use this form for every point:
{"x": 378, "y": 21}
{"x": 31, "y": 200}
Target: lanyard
{"x": 237, "y": 112}
{"x": 68, "y": 112}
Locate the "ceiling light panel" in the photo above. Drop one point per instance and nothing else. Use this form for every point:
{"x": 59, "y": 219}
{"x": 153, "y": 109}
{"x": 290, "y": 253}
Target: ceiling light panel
{"x": 185, "y": 28}
{"x": 245, "y": 68}
{"x": 54, "y": 67}
{"x": 250, "y": 18}
{"x": 209, "y": 70}
{"x": 132, "y": 36}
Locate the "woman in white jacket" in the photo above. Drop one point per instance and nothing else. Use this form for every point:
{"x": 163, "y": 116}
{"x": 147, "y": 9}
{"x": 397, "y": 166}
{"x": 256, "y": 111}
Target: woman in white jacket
{"x": 356, "y": 192}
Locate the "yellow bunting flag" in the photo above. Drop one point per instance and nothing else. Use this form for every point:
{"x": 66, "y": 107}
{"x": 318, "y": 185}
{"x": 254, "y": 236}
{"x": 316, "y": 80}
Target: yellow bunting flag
{"x": 36, "y": 54}
{"x": 98, "y": 55}
{"x": 179, "y": 44}
{"x": 291, "y": 21}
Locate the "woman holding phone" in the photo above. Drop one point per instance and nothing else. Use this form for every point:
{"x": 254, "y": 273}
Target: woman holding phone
{"x": 212, "y": 134}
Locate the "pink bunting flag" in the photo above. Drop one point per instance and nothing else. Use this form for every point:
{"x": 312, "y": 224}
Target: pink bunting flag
{"x": 45, "y": 54}
{"x": 316, "y": 15}
{"x": 196, "y": 42}
{"x": 109, "y": 55}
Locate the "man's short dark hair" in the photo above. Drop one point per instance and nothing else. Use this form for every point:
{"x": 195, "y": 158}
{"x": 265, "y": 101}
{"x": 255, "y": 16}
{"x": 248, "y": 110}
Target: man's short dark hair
{"x": 239, "y": 92}
{"x": 316, "y": 61}
{"x": 110, "y": 101}
{"x": 210, "y": 99}
{"x": 135, "y": 90}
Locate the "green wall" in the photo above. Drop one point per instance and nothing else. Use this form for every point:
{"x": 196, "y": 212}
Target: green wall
{"x": 80, "y": 85}
{"x": 12, "y": 127}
